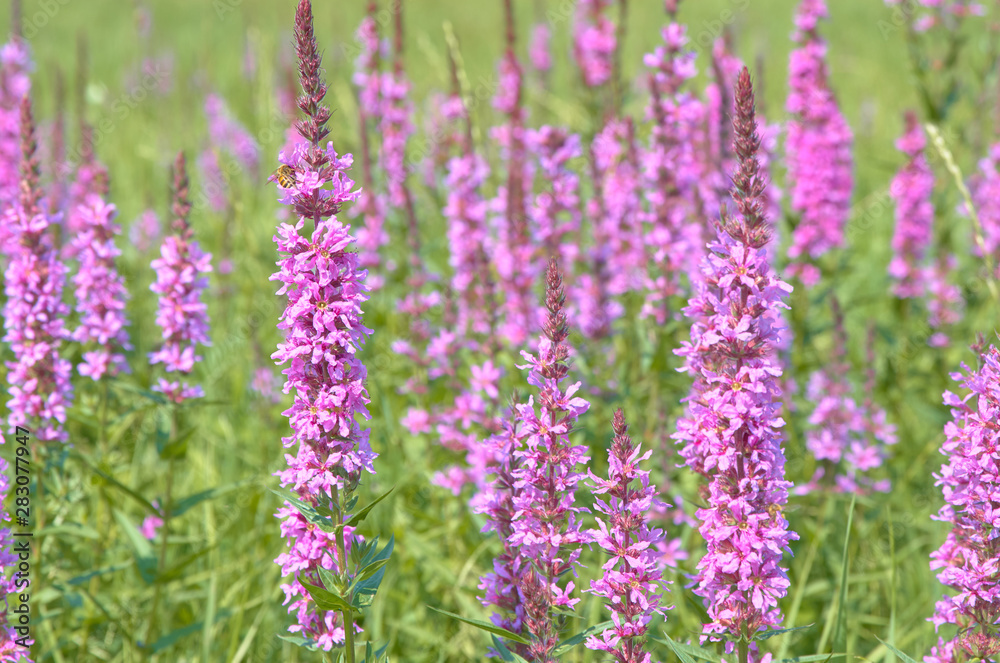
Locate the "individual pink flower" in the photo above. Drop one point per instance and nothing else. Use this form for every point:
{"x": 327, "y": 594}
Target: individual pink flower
{"x": 150, "y": 524}
{"x": 969, "y": 559}
{"x": 632, "y": 580}
{"x": 34, "y": 313}
{"x": 323, "y": 332}
{"x": 732, "y": 424}
{"x": 817, "y": 149}
{"x": 181, "y": 277}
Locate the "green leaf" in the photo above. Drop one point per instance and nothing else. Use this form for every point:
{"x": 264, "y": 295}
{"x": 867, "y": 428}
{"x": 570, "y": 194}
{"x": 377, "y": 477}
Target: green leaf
{"x": 906, "y": 659}
{"x": 299, "y": 641}
{"x": 366, "y": 585}
{"x": 840, "y": 630}
{"x": 361, "y": 515}
{"x": 326, "y": 600}
{"x": 70, "y": 529}
{"x": 687, "y": 653}
{"x": 307, "y": 510}
{"x": 486, "y": 626}
{"x": 569, "y": 643}
{"x": 174, "y": 572}
{"x": 505, "y": 653}
{"x": 194, "y": 500}
{"x": 175, "y": 448}
{"x": 114, "y": 482}
{"x": 329, "y": 580}
{"x": 85, "y": 578}
{"x": 145, "y": 560}
{"x": 770, "y": 634}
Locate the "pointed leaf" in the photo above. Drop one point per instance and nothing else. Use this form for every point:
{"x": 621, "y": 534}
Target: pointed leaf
{"x": 506, "y": 654}
{"x": 897, "y": 652}
{"x": 145, "y": 560}
{"x": 764, "y": 635}
{"x": 299, "y": 641}
{"x": 486, "y": 626}
{"x": 361, "y": 515}
{"x": 687, "y": 653}
{"x": 326, "y": 600}
{"x": 307, "y": 510}
{"x": 569, "y": 643}
{"x": 181, "y": 506}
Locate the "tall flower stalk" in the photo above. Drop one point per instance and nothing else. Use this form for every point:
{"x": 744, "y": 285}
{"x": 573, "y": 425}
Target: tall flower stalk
{"x": 533, "y": 503}
{"x": 181, "y": 278}
{"x": 100, "y": 289}
{"x": 818, "y": 149}
{"x": 734, "y": 410}
{"x": 911, "y": 190}
{"x": 34, "y": 313}
{"x": 323, "y": 333}
{"x": 969, "y": 559}
{"x": 632, "y": 580}
{"x": 15, "y": 64}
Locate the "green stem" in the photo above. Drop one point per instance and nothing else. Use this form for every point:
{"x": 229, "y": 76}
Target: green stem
{"x": 161, "y": 563}
{"x": 744, "y": 650}
{"x": 348, "y": 615}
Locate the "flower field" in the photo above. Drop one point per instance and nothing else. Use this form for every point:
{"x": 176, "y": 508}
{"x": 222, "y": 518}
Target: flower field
{"x": 528, "y": 330}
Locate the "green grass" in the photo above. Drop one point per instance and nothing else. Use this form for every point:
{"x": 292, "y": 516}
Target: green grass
{"x": 223, "y": 602}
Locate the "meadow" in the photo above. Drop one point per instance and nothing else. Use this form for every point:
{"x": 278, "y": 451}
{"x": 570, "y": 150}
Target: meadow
{"x": 111, "y": 582}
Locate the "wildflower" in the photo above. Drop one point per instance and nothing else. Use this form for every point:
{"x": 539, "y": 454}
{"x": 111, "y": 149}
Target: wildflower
{"x": 733, "y": 418}
{"x": 969, "y": 559}
{"x": 531, "y": 502}
{"x": 594, "y": 42}
{"x": 34, "y": 313}
{"x": 631, "y": 582}
{"x": 911, "y": 190}
{"x": 818, "y": 149}
{"x": 100, "y": 290}
{"x": 323, "y": 332}
{"x": 181, "y": 277}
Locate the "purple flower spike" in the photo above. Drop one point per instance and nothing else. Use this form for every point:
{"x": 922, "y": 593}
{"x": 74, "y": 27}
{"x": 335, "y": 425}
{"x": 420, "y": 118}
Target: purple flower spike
{"x": 969, "y": 559}
{"x": 324, "y": 284}
{"x": 181, "y": 277}
{"x": 733, "y": 419}
{"x": 911, "y": 190}
{"x": 34, "y": 313}
{"x": 632, "y": 580}
{"x": 820, "y": 177}
{"x": 531, "y": 501}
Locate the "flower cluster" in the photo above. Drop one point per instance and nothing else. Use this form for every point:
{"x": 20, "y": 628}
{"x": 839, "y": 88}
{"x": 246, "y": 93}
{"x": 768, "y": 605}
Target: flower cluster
{"x": 100, "y": 289}
{"x": 985, "y": 189}
{"x": 34, "y": 313}
{"x": 818, "y": 149}
{"x": 323, "y": 332}
{"x": 181, "y": 277}
{"x": 594, "y": 41}
{"x": 969, "y": 559}
{"x": 632, "y": 581}
{"x": 911, "y": 190}
{"x": 227, "y": 134}
{"x": 670, "y": 172}
{"x": 847, "y": 438}
{"x": 15, "y": 63}
{"x": 938, "y": 12}
{"x": 371, "y": 207}
{"x": 732, "y": 429}
{"x": 541, "y": 470}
